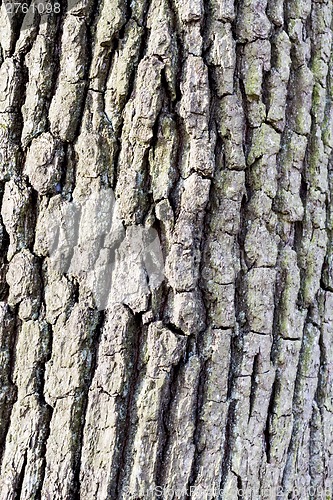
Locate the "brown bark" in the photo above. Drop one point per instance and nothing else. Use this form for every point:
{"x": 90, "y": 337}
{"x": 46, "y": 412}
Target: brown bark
{"x": 211, "y": 124}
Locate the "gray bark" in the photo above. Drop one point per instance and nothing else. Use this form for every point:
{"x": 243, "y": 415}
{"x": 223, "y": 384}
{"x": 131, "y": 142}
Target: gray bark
{"x": 211, "y": 121}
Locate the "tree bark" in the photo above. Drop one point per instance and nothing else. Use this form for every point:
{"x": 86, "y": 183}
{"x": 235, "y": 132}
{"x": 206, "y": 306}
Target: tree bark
{"x": 211, "y": 123}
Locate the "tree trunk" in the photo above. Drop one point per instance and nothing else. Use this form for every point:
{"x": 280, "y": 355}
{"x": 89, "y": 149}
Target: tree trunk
{"x": 167, "y": 250}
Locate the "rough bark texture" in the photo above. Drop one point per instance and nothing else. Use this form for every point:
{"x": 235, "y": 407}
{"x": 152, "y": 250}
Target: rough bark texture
{"x": 212, "y": 122}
